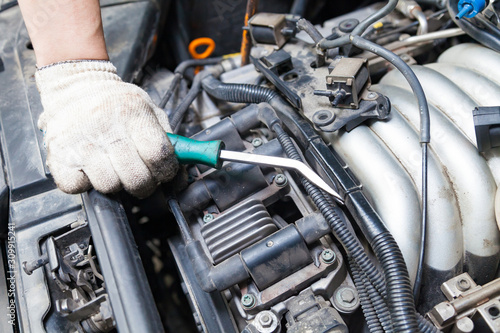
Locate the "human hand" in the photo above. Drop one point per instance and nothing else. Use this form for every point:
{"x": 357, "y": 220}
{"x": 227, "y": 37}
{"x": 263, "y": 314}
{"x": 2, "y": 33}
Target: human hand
{"x": 100, "y": 131}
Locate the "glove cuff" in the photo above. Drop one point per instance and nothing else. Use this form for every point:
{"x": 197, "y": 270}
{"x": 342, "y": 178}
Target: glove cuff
{"x": 58, "y": 76}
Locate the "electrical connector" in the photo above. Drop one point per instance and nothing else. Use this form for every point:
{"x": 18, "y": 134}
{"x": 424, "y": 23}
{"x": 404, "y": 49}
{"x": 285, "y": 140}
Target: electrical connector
{"x": 470, "y": 8}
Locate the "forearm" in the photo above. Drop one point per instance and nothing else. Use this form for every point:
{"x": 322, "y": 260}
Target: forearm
{"x": 64, "y": 29}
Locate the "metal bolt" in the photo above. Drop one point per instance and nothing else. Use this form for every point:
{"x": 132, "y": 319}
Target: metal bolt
{"x": 257, "y": 142}
{"x": 266, "y": 320}
{"x": 463, "y": 284}
{"x": 248, "y": 301}
{"x": 328, "y": 256}
{"x": 280, "y": 180}
{"x": 208, "y": 218}
{"x": 82, "y": 246}
{"x": 29, "y": 267}
{"x": 270, "y": 243}
{"x": 347, "y": 295}
{"x": 371, "y": 95}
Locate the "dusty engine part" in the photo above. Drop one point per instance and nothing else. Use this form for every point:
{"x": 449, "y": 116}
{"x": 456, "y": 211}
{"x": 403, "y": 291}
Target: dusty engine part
{"x": 384, "y": 154}
{"x": 469, "y": 307}
{"x": 457, "y": 166}
{"x": 307, "y": 313}
{"x": 258, "y": 249}
{"x": 271, "y": 29}
{"x": 237, "y": 229}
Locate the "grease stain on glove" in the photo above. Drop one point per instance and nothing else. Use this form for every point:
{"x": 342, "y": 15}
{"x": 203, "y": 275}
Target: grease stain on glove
{"x": 102, "y": 132}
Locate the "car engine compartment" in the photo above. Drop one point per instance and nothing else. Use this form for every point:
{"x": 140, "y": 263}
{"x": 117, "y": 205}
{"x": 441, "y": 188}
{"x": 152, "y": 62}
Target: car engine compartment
{"x": 400, "y": 119}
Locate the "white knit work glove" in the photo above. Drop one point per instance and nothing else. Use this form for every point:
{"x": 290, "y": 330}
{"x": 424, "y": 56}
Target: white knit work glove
{"x": 100, "y": 131}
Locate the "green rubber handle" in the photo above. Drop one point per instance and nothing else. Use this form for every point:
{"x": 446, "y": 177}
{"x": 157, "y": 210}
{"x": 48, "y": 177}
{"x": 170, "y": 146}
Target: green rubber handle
{"x": 190, "y": 151}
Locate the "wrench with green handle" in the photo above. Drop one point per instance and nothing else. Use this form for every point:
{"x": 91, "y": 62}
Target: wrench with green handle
{"x": 212, "y": 154}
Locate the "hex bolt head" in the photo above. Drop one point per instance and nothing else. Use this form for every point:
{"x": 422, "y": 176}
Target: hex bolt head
{"x": 347, "y": 295}
{"x": 257, "y": 142}
{"x": 463, "y": 284}
{"x": 248, "y": 301}
{"x": 346, "y": 299}
{"x": 266, "y": 320}
{"x": 328, "y": 256}
{"x": 280, "y": 180}
{"x": 208, "y": 218}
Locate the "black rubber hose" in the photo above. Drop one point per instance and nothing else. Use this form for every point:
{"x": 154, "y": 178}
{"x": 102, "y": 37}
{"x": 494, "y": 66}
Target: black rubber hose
{"x": 299, "y": 7}
{"x": 170, "y": 91}
{"x": 380, "y": 306}
{"x": 372, "y": 320}
{"x": 409, "y": 75}
{"x": 307, "y": 26}
{"x": 341, "y": 231}
{"x": 361, "y": 27}
{"x": 425, "y": 134}
{"x": 423, "y": 237}
{"x": 399, "y": 292}
{"x": 425, "y": 326}
{"x": 378, "y": 302}
{"x": 179, "y": 74}
{"x": 237, "y": 93}
{"x": 181, "y": 109}
{"x": 186, "y": 234}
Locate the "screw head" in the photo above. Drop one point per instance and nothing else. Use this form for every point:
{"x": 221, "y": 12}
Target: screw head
{"x": 371, "y": 95}
{"x": 257, "y": 142}
{"x": 208, "y": 218}
{"x": 328, "y": 256}
{"x": 347, "y": 295}
{"x": 463, "y": 284}
{"x": 280, "y": 180}
{"x": 270, "y": 243}
{"x": 248, "y": 301}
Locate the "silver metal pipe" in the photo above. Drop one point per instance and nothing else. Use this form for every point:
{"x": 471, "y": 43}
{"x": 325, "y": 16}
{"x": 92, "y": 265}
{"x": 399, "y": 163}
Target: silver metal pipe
{"x": 412, "y": 10}
{"x": 448, "y": 33}
{"x": 423, "y": 27}
{"x": 472, "y": 300}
